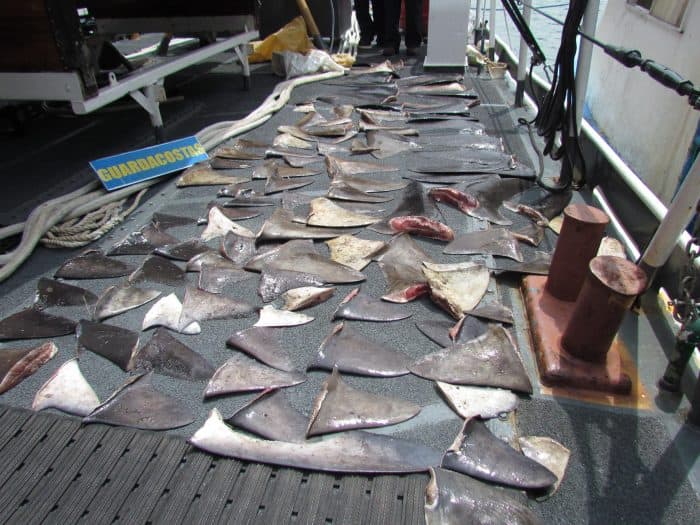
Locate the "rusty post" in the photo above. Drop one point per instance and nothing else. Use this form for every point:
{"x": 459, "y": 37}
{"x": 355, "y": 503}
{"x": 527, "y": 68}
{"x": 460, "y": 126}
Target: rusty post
{"x": 578, "y": 243}
{"x": 609, "y": 290}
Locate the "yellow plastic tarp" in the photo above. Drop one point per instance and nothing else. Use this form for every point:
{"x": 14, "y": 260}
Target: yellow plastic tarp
{"x": 292, "y": 37}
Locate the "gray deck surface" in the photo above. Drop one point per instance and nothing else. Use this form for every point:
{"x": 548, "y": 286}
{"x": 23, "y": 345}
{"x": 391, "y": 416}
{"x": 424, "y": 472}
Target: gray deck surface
{"x": 625, "y": 465}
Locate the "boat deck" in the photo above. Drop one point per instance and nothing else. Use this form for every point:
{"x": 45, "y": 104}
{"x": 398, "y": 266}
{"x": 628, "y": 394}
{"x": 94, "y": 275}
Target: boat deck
{"x": 633, "y": 464}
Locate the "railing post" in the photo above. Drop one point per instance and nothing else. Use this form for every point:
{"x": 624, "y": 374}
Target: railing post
{"x": 680, "y": 211}
{"x": 583, "y": 66}
{"x": 523, "y": 58}
{"x": 477, "y": 19}
{"x": 492, "y": 31}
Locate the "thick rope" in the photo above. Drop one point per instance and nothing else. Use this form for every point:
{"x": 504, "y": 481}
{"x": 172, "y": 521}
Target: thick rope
{"x": 75, "y": 233}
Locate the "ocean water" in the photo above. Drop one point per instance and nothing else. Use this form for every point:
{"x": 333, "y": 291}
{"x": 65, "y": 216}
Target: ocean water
{"x": 547, "y": 32}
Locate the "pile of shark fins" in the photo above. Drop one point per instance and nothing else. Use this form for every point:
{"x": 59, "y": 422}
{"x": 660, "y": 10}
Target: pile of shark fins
{"x": 309, "y": 244}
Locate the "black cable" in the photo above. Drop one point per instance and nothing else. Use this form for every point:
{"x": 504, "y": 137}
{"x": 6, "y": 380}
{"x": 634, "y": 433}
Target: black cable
{"x": 524, "y": 30}
{"x": 556, "y": 118}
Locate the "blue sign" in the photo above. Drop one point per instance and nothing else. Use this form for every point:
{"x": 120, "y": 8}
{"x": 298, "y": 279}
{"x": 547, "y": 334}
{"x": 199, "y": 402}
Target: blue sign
{"x": 129, "y": 168}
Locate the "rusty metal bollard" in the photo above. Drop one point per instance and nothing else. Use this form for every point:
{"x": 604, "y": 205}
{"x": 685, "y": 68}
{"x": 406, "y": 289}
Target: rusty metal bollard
{"x": 610, "y": 288}
{"x": 578, "y": 243}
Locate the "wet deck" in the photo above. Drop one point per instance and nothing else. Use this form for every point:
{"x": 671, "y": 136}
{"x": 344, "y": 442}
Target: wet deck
{"x": 627, "y": 465}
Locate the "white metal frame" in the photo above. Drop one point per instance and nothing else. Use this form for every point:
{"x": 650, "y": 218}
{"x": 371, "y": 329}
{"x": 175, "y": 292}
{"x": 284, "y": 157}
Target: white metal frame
{"x": 145, "y": 85}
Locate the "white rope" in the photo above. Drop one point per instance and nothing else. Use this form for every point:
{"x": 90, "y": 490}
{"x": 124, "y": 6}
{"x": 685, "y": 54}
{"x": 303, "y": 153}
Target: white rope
{"x": 84, "y": 200}
{"x": 79, "y": 232}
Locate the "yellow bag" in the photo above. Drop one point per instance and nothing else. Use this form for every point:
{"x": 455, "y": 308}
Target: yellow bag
{"x": 292, "y": 37}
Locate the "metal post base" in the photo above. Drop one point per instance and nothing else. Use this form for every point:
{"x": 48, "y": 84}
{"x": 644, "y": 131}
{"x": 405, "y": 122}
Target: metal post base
{"x": 548, "y": 319}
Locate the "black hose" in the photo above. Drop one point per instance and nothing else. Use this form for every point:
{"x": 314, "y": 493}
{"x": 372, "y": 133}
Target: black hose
{"x": 556, "y": 117}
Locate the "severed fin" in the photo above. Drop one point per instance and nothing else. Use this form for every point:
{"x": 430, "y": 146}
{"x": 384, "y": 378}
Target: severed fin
{"x": 220, "y": 163}
{"x": 330, "y": 128}
{"x": 457, "y": 288}
{"x": 276, "y": 183}
{"x": 342, "y": 191}
{"x": 443, "y": 333}
{"x": 285, "y": 140}
{"x": 455, "y": 499}
{"x": 18, "y": 363}
{"x": 493, "y": 312}
{"x": 167, "y": 356}
{"x": 248, "y": 197}
{"x": 478, "y": 401}
{"x": 271, "y": 316}
{"x": 67, "y": 390}
{"x": 300, "y": 161}
{"x": 157, "y": 269}
{"x": 211, "y": 259}
{"x": 550, "y": 454}
{"x": 241, "y": 374}
{"x": 56, "y": 293}
{"x": 305, "y": 297}
{"x": 119, "y": 299}
{"x": 282, "y": 252}
{"x": 338, "y": 166}
{"x": 359, "y": 147}
{"x": 272, "y": 416}
{"x": 478, "y": 453}
{"x": 32, "y": 323}
{"x": 350, "y": 352}
{"x": 539, "y": 203}
{"x": 137, "y": 404}
{"x": 388, "y": 144}
{"x": 142, "y": 242}
{"x": 369, "y": 183}
{"x": 339, "y": 407}
{"x": 234, "y": 214}
{"x": 274, "y": 282}
{"x": 182, "y": 251}
{"x": 215, "y": 279}
{"x": 494, "y": 241}
{"x": 423, "y": 226}
{"x": 167, "y": 312}
{"x": 535, "y": 263}
{"x": 295, "y": 257}
{"x": 281, "y": 226}
{"x": 325, "y": 213}
{"x": 203, "y": 175}
{"x": 324, "y": 149}
{"x": 264, "y": 344}
{"x": 93, "y": 264}
{"x": 165, "y": 221}
{"x": 402, "y": 265}
{"x": 531, "y": 233}
{"x": 415, "y": 202}
{"x": 238, "y": 249}
{"x": 358, "y": 452}
{"x": 358, "y": 306}
{"x": 488, "y": 360}
{"x": 353, "y": 251}
{"x": 490, "y": 195}
{"x": 114, "y": 343}
{"x": 242, "y": 149}
{"x": 219, "y": 225}
{"x": 199, "y": 305}
{"x": 272, "y": 168}
{"x": 611, "y": 246}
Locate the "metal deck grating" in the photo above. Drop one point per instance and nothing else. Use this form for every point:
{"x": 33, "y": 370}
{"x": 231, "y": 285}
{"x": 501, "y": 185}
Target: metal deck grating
{"x": 56, "y": 470}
